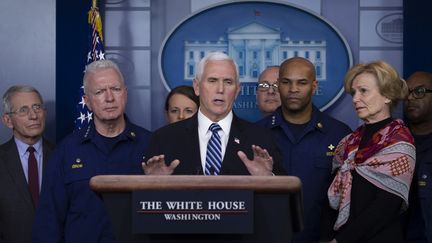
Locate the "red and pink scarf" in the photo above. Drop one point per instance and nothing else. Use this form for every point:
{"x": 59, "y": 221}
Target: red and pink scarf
{"x": 387, "y": 161}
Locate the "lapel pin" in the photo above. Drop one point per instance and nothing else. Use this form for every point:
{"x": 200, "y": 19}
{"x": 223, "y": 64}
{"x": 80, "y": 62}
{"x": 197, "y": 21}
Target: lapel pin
{"x": 237, "y": 141}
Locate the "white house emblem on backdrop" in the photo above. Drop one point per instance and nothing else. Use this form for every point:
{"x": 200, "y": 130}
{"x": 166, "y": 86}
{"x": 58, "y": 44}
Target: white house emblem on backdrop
{"x": 257, "y": 35}
{"x": 254, "y": 47}
{"x": 390, "y": 28}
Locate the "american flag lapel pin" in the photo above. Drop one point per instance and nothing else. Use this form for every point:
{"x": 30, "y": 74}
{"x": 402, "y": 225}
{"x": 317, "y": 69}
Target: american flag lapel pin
{"x": 237, "y": 141}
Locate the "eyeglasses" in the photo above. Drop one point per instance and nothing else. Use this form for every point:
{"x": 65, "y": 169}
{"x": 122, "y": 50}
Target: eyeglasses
{"x": 419, "y": 92}
{"x": 265, "y": 86}
{"x": 25, "y": 110}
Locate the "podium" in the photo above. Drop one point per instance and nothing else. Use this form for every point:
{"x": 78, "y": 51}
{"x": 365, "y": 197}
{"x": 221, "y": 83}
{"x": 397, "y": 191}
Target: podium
{"x": 277, "y": 203}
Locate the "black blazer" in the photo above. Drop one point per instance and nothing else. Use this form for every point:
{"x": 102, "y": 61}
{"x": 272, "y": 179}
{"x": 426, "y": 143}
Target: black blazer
{"x": 180, "y": 141}
{"x": 16, "y": 207}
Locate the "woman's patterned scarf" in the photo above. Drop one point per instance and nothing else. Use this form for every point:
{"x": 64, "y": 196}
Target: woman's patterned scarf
{"x": 387, "y": 161}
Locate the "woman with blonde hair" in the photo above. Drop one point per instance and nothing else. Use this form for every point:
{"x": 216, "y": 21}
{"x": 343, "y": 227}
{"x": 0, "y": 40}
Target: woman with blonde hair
{"x": 374, "y": 165}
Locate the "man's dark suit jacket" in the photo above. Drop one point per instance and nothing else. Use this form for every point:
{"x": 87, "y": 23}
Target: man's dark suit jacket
{"x": 16, "y": 207}
{"x": 180, "y": 141}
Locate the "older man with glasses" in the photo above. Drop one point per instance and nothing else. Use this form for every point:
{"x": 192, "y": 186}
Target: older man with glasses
{"x": 418, "y": 112}
{"x": 22, "y": 160}
{"x": 267, "y": 95}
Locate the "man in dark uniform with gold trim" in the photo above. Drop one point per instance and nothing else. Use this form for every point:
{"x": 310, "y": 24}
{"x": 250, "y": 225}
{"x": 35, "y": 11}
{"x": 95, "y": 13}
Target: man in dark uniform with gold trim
{"x": 306, "y": 138}
{"x": 69, "y": 211}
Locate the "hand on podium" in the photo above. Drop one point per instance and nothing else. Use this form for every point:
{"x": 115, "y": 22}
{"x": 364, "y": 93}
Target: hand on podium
{"x": 261, "y": 164}
{"x": 156, "y": 166}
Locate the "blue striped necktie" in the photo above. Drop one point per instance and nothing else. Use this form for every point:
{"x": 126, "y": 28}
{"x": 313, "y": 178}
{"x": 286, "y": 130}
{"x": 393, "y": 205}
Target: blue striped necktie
{"x": 214, "y": 151}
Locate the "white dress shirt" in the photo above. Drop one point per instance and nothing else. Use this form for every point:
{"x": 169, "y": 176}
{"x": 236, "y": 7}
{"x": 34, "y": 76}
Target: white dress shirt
{"x": 204, "y": 134}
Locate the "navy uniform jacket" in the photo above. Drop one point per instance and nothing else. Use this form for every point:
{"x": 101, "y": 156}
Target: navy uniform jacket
{"x": 69, "y": 211}
{"x": 420, "y": 204}
{"x": 310, "y": 158}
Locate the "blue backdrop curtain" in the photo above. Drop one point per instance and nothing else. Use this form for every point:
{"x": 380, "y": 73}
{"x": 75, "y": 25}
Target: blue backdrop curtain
{"x": 417, "y": 36}
{"x": 71, "y": 49}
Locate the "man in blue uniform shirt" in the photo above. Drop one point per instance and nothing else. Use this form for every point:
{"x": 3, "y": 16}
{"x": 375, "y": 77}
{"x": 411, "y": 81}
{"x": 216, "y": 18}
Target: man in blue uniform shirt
{"x": 69, "y": 211}
{"x": 418, "y": 111}
{"x": 306, "y": 138}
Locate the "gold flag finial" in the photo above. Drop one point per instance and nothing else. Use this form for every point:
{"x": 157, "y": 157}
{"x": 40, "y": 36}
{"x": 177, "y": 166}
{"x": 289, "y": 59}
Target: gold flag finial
{"x": 94, "y": 18}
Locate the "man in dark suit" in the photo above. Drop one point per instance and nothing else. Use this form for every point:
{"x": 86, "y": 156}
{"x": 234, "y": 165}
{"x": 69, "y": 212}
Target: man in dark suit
{"x": 236, "y": 147}
{"x": 20, "y": 181}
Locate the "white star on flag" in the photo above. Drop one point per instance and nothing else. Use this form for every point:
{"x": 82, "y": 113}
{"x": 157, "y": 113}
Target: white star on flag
{"x": 101, "y": 55}
{"x": 82, "y": 102}
{"x": 95, "y": 53}
{"x": 82, "y": 117}
{"x": 89, "y": 116}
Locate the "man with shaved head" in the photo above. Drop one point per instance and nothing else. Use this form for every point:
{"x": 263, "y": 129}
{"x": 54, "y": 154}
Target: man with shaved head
{"x": 306, "y": 138}
{"x": 418, "y": 112}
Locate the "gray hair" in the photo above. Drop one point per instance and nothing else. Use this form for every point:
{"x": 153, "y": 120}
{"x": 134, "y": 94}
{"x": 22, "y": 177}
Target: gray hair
{"x": 7, "y": 96}
{"x": 97, "y": 65}
{"x": 215, "y": 56}
{"x": 267, "y": 68}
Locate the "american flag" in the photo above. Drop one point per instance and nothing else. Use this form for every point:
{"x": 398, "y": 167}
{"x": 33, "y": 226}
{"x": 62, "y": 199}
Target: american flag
{"x": 95, "y": 52}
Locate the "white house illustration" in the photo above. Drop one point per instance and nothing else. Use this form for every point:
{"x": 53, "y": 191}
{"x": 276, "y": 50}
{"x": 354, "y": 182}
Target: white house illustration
{"x": 254, "y": 47}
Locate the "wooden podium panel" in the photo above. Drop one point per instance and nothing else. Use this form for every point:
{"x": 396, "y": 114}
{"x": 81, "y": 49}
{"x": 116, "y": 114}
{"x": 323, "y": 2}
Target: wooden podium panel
{"x": 277, "y": 204}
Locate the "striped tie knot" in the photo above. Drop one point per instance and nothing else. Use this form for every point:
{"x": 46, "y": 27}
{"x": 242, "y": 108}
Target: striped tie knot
{"x": 214, "y": 127}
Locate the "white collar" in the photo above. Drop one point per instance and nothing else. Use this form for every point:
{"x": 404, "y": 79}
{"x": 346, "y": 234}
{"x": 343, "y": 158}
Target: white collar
{"x": 204, "y": 122}
{"x": 22, "y": 147}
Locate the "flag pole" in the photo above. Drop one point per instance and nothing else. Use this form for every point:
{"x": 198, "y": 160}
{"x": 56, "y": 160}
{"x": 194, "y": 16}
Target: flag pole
{"x": 95, "y": 52}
